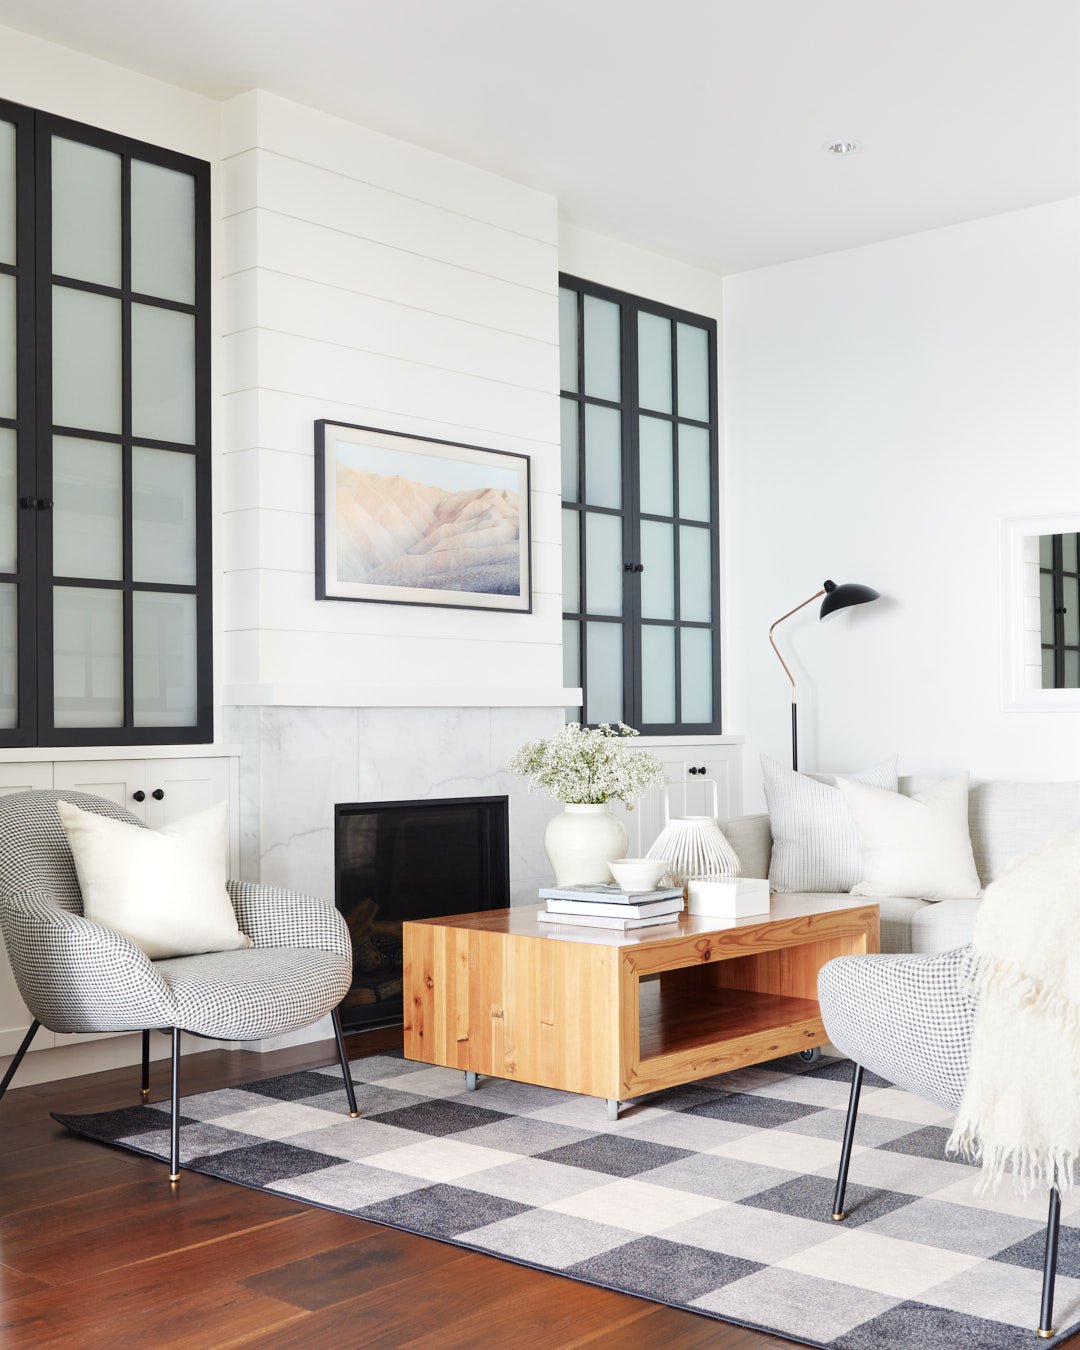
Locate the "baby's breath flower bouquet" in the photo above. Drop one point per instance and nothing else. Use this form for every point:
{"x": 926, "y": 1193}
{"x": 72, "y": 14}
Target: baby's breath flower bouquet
{"x": 587, "y": 767}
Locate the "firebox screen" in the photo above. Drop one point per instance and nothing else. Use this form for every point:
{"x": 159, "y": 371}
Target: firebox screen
{"x": 411, "y": 860}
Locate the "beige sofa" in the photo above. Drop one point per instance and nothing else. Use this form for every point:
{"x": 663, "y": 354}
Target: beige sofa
{"x": 1006, "y": 820}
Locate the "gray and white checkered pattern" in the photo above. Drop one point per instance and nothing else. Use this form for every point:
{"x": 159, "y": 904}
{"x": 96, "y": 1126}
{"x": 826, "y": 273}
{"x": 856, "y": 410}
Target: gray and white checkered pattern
{"x": 714, "y": 1197}
{"x": 908, "y": 1018}
{"x": 76, "y": 976}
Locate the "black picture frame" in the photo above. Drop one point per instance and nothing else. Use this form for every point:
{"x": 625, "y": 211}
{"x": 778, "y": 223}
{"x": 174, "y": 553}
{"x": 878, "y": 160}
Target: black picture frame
{"x": 379, "y": 442}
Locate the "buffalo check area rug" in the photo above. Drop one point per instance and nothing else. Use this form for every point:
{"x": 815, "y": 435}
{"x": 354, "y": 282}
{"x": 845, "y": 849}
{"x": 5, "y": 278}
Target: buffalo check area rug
{"x": 715, "y": 1197}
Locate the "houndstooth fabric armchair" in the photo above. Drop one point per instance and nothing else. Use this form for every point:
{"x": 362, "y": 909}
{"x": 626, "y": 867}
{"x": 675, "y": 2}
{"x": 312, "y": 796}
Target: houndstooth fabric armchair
{"x": 910, "y": 1020}
{"x": 77, "y": 976}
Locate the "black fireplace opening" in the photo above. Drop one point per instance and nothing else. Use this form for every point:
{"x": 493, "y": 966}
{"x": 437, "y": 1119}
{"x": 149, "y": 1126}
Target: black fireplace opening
{"x": 396, "y": 861}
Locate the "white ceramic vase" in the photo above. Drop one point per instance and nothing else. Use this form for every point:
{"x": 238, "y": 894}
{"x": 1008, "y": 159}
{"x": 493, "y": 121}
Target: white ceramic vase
{"x": 581, "y": 841}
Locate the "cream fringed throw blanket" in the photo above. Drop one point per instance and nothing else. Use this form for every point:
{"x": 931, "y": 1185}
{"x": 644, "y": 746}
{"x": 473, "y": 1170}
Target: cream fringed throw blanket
{"x": 1021, "y": 1106}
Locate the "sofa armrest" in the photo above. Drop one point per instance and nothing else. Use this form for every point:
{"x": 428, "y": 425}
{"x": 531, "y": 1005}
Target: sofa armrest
{"x": 751, "y": 838}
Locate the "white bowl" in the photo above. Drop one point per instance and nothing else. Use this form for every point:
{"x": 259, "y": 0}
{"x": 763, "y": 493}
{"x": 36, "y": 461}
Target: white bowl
{"x": 639, "y": 874}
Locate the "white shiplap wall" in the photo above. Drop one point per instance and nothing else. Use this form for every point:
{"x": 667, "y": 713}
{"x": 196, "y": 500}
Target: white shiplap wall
{"x": 373, "y": 281}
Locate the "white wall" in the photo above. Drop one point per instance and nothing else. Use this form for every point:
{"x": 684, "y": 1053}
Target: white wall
{"x": 886, "y": 409}
{"x": 377, "y": 283}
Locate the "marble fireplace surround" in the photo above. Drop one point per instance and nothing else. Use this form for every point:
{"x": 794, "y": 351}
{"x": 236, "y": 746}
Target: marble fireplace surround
{"x": 297, "y": 762}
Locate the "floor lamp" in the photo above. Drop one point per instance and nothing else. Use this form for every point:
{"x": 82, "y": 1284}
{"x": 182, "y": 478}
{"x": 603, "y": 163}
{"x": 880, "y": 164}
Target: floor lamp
{"x": 836, "y": 599}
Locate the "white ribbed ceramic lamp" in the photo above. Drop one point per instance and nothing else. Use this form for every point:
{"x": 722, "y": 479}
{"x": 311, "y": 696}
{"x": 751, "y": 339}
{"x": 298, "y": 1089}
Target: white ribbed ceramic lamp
{"x": 695, "y": 846}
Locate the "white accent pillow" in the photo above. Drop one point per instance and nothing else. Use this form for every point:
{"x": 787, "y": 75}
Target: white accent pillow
{"x": 917, "y": 847}
{"x": 815, "y": 846}
{"x": 162, "y": 889}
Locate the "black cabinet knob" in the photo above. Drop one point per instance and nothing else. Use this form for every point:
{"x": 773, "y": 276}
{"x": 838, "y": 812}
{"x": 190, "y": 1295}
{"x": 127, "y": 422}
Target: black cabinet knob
{"x": 692, "y": 770}
{"x": 158, "y": 794}
{"x": 139, "y": 796}
{"x": 702, "y": 769}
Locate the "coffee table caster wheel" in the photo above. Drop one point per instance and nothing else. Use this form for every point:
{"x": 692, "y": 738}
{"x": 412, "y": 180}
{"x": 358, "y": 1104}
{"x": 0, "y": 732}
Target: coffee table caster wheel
{"x": 470, "y": 1081}
{"x": 810, "y": 1055}
{"x": 612, "y": 1109}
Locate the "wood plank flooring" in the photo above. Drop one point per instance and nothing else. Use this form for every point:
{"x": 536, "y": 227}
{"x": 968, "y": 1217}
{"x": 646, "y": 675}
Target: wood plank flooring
{"x": 97, "y": 1250}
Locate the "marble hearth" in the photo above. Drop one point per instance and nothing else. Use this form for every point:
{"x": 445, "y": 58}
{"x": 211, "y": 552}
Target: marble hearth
{"x": 297, "y": 762}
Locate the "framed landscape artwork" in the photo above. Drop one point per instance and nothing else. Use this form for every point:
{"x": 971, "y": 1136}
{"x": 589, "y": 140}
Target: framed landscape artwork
{"x": 408, "y": 520}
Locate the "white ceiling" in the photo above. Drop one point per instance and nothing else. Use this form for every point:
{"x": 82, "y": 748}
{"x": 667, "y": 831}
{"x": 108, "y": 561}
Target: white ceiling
{"x": 693, "y": 126}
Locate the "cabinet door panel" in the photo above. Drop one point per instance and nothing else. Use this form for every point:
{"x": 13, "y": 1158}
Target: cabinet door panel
{"x": 191, "y": 785}
{"x": 116, "y": 779}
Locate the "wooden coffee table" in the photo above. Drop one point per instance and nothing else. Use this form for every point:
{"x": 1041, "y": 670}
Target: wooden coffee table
{"x": 616, "y": 1016}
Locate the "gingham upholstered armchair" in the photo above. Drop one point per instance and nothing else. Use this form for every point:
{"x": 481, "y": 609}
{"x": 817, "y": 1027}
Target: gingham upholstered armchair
{"x": 76, "y": 976}
{"x": 910, "y": 1020}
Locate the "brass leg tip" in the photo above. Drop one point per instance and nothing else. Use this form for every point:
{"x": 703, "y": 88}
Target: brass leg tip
{"x": 839, "y": 1218}
{"x": 1045, "y": 1333}
{"x": 354, "y": 1115}
{"x": 174, "y": 1177}
{"x": 145, "y": 1094}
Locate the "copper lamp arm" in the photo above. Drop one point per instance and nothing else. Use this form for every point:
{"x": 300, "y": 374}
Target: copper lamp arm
{"x": 772, "y": 641}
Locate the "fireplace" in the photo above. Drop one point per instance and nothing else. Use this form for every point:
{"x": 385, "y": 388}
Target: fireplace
{"x": 395, "y": 861}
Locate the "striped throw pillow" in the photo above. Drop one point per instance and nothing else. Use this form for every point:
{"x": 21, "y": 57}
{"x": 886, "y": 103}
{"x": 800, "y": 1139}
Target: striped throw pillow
{"x": 815, "y": 844}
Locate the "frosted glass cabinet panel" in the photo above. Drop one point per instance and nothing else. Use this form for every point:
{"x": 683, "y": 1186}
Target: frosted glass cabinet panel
{"x": 162, "y": 374}
{"x": 658, "y": 674}
{"x": 164, "y": 643}
{"x": 9, "y": 656}
{"x": 654, "y": 362}
{"x": 86, "y": 219}
{"x": 604, "y": 658}
{"x": 162, "y": 232}
{"x": 88, "y": 657}
{"x": 8, "y": 398}
{"x": 603, "y": 359}
{"x": 568, "y": 340}
{"x": 641, "y": 528}
{"x": 87, "y": 509}
{"x": 86, "y": 360}
{"x": 603, "y": 456}
{"x": 9, "y": 546}
{"x": 7, "y": 192}
{"x": 163, "y": 516}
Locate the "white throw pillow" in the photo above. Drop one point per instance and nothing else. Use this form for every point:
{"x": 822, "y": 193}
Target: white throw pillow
{"x": 917, "y": 847}
{"x": 815, "y": 846}
{"x": 162, "y": 889}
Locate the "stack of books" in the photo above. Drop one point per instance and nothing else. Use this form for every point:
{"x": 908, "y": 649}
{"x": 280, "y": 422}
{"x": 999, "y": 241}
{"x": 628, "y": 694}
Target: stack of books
{"x": 609, "y": 906}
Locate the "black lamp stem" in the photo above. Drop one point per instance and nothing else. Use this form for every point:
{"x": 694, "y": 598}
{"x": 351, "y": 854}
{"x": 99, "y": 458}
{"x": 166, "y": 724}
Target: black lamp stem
{"x": 794, "y": 735}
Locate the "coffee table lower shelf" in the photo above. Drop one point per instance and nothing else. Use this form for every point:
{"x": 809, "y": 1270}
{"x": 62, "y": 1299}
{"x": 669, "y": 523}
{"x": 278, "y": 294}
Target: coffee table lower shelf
{"x": 501, "y": 995}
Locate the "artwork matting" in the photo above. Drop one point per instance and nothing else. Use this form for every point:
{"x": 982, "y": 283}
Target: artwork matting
{"x": 411, "y": 520}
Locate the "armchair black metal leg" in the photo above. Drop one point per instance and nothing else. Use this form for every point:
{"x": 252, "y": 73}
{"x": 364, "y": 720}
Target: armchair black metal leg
{"x": 350, "y": 1091}
{"x": 146, "y": 1066}
{"x": 174, "y": 1118}
{"x": 17, "y": 1058}
{"x": 1053, "y": 1225}
{"x": 849, "y": 1136}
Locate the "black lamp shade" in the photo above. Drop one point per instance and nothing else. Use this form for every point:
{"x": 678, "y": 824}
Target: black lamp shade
{"x": 840, "y": 597}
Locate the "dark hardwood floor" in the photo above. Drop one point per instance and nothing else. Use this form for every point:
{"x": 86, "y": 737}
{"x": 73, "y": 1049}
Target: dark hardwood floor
{"x": 97, "y": 1250}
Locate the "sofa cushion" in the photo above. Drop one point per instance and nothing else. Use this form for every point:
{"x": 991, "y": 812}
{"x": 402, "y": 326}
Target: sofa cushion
{"x": 941, "y": 927}
{"x": 751, "y": 839}
{"x": 916, "y": 846}
{"x": 898, "y": 913}
{"x": 815, "y": 847}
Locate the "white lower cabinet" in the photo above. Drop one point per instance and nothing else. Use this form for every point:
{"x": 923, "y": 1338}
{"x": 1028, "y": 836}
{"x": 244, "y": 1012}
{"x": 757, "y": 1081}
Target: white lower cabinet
{"x": 157, "y": 791}
{"x": 692, "y": 770}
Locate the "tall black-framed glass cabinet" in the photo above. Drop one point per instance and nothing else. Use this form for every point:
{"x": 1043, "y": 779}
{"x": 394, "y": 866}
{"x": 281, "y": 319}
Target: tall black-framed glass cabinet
{"x": 641, "y": 535}
{"x": 105, "y": 523}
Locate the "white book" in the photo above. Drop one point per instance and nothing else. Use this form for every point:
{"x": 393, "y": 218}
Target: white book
{"x": 609, "y": 893}
{"x": 617, "y": 924}
{"x": 617, "y": 911}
